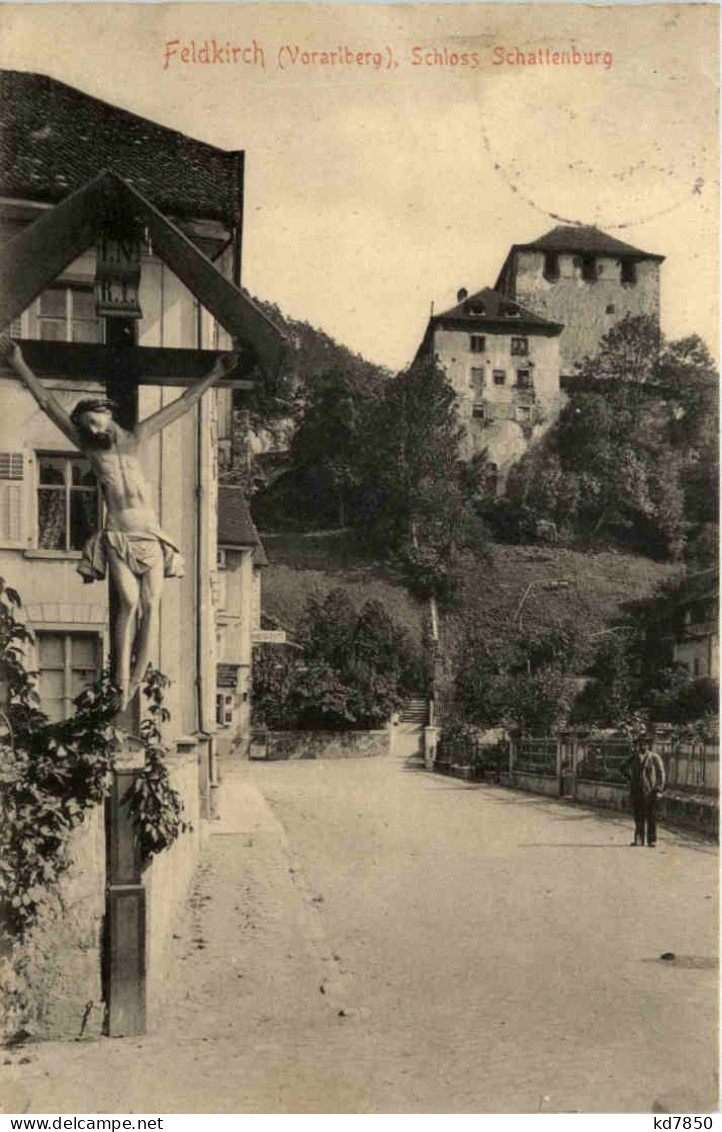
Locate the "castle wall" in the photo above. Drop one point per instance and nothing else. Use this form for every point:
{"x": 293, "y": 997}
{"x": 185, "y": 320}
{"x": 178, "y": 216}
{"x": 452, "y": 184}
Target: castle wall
{"x": 588, "y": 309}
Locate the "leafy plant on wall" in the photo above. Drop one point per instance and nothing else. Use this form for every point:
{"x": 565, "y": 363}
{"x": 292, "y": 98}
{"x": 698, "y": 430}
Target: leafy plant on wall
{"x": 51, "y": 774}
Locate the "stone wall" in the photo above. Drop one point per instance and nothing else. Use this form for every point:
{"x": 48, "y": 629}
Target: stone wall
{"x": 536, "y": 783}
{"x": 51, "y": 986}
{"x": 327, "y": 744}
{"x": 168, "y": 878}
{"x": 588, "y": 309}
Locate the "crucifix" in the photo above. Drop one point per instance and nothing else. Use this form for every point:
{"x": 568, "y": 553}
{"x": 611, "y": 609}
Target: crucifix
{"x": 132, "y": 549}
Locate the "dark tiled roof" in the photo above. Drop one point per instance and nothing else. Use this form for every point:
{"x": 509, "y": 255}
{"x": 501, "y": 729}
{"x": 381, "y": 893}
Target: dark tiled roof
{"x": 54, "y": 139}
{"x": 585, "y": 240}
{"x": 490, "y": 307}
{"x": 235, "y": 525}
{"x": 260, "y": 557}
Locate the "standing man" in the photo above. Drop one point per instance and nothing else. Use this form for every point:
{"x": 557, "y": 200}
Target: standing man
{"x": 131, "y": 546}
{"x": 647, "y": 783}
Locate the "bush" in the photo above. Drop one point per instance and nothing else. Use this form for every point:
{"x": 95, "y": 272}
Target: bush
{"x": 355, "y": 670}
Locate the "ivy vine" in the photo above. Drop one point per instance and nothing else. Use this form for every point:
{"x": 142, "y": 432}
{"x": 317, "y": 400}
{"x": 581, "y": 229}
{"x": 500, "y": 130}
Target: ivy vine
{"x": 52, "y": 773}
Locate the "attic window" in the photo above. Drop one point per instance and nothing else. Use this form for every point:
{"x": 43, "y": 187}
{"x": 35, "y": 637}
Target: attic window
{"x": 629, "y": 272}
{"x": 551, "y": 266}
{"x": 511, "y": 312}
{"x": 589, "y": 268}
{"x": 477, "y": 343}
{"x": 476, "y": 308}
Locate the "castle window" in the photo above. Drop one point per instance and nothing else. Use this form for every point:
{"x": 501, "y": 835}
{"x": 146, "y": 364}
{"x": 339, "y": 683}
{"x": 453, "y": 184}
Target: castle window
{"x": 629, "y": 272}
{"x": 523, "y": 379}
{"x": 551, "y": 266}
{"x": 478, "y": 411}
{"x": 476, "y": 375}
{"x": 499, "y": 377}
{"x": 477, "y": 343}
{"x": 520, "y": 346}
{"x": 589, "y": 268}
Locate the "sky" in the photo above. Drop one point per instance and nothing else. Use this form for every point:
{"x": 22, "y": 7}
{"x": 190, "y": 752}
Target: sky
{"x": 372, "y": 192}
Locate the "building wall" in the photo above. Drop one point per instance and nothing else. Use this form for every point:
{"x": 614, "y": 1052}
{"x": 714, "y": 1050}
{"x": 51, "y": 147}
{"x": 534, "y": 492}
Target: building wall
{"x": 504, "y": 436}
{"x": 235, "y": 621}
{"x": 588, "y": 309}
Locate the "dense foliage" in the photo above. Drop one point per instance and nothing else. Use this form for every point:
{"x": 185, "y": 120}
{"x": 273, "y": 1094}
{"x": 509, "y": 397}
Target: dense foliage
{"x": 384, "y": 459}
{"x": 633, "y": 455}
{"x": 518, "y": 681}
{"x": 51, "y": 774}
{"x": 354, "y": 669}
{"x": 634, "y": 669}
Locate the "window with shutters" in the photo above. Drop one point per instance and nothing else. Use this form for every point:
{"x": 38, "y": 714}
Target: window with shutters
{"x": 12, "y": 476}
{"x": 66, "y": 663}
{"x": 68, "y": 502}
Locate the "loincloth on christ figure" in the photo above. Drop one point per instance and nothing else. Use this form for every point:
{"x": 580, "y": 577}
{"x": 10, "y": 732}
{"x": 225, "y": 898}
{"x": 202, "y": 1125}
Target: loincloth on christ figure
{"x": 139, "y": 549}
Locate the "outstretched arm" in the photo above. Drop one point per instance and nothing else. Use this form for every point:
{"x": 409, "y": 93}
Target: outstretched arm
{"x": 44, "y": 397}
{"x": 191, "y": 397}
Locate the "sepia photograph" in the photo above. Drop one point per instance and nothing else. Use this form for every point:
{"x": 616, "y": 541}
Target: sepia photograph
{"x": 359, "y": 405}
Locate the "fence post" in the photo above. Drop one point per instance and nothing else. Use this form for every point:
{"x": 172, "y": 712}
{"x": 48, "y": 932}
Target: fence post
{"x": 513, "y": 740}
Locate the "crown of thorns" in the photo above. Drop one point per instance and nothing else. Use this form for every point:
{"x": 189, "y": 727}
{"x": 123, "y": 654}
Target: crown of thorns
{"x": 91, "y": 406}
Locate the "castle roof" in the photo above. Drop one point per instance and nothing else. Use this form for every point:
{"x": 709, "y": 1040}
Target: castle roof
{"x": 490, "y": 309}
{"x": 585, "y": 240}
{"x": 54, "y": 139}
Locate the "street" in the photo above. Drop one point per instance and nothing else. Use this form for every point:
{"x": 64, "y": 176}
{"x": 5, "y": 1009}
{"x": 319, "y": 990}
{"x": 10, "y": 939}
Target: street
{"x": 364, "y": 936}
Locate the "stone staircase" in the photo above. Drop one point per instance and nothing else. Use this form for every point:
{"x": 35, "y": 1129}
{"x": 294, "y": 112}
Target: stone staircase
{"x": 415, "y": 713}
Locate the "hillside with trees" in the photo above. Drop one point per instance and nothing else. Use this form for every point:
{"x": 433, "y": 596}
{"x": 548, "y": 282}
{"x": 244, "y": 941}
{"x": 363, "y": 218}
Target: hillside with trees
{"x": 617, "y": 499}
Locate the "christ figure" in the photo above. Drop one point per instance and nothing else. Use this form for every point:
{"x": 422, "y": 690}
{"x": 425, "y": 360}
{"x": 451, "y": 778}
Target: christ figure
{"x": 131, "y": 547}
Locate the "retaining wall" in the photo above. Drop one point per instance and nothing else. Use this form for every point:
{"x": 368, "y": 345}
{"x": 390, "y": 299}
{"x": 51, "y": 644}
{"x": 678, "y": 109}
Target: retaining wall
{"x": 51, "y": 984}
{"x": 327, "y": 744}
{"x": 169, "y": 875}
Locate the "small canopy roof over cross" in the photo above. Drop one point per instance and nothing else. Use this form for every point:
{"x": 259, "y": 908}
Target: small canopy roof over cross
{"x": 42, "y": 251}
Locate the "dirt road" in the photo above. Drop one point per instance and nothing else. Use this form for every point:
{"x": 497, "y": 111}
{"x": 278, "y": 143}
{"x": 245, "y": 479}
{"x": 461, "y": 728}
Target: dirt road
{"x": 367, "y": 937}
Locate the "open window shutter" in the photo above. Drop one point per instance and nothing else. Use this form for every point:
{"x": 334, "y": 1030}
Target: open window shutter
{"x": 13, "y": 466}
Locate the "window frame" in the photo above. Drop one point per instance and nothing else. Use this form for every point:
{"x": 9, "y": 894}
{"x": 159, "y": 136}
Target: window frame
{"x": 67, "y": 488}
{"x": 529, "y": 381}
{"x": 520, "y": 346}
{"x": 498, "y": 376}
{"x": 474, "y": 339}
{"x": 70, "y": 287}
{"x": 67, "y": 632}
{"x": 479, "y": 411}
{"x": 520, "y": 418}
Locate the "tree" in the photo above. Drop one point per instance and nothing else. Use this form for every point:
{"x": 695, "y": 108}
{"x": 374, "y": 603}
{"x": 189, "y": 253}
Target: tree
{"x": 629, "y": 352}
{"x": 416, "y": 495}
{"x": 325, "y": 447}
{"x": 517, "y": 681}
{"x": 355, "y": 669}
